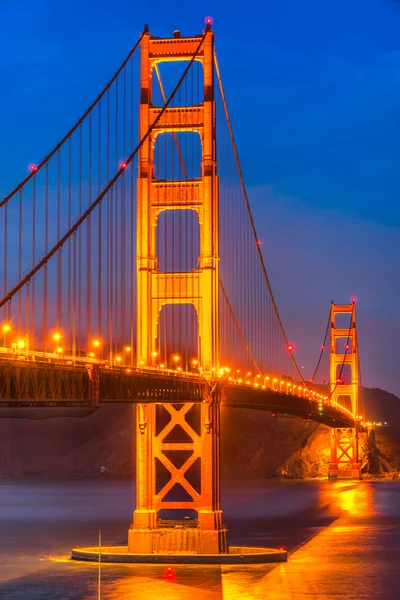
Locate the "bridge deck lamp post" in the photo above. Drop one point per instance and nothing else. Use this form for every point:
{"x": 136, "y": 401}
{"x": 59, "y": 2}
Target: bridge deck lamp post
{"x": 96, "y": 343}
{"x": 176, "y": 358}
{"x": 20, "y": 345}
{"x": 5, "y": 329}
{"x": 57, "y": 336}
{"x": 128, "y": 350}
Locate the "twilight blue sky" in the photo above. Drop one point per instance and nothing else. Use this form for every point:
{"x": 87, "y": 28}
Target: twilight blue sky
{"x": 314, "y": 94}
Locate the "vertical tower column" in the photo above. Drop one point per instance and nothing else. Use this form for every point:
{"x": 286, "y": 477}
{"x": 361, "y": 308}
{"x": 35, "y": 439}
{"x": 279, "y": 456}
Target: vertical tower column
{"x": 344, "y": 441}
{"x": 178, "y": 444}
{"x": 198, "y": 287}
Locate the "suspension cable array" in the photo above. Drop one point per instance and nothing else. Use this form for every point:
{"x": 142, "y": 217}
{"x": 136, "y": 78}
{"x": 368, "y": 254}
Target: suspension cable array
{"x": 70, "y": 237}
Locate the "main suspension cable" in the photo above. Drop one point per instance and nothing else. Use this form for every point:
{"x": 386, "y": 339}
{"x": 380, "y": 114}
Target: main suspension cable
{"x": 258, "y": 247}
{"x": 323, "y": 345}
{"x": 75, "y": 127}
{"x": 93, "y": 205}
{"x": 238, "y": 326}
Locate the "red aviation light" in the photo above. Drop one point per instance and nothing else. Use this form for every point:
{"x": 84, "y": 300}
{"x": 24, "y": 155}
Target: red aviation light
{"x": 208, "y": 21}
{"x": 259, "y": 243}
{"x": 290, "y": 347}
{"x": 347, "y": 347}
{"x": 123, "y": 165}
{"x": 354, "y": 299}
{"x": 322, "y": 347}
{"x": 169, "y": 573}
{"x": 33, "y": 168}
{"x": 339, "y": 380}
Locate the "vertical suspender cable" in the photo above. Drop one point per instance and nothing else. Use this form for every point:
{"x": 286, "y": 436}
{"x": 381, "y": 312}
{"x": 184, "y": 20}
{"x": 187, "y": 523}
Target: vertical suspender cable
{"x": 46, "y": 248}
{"x": 99, "y": 228}
{"x": 59, "y": 254}
{"x": 69, "y": 290}
{"x": 19, "y": 318}
{"x": 79, "y": 294}
{"x": 88, "y": 282}
{"x": 5, "y": 257}
{"x": 33, "y": 262}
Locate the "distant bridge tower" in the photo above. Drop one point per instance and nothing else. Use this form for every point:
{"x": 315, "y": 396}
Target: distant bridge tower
{"x": 344, "y": 351}
{"x": 180, "y": 440}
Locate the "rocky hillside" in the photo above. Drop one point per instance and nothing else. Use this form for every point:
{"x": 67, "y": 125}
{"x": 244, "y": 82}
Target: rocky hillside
{"x": 253, "y": 444}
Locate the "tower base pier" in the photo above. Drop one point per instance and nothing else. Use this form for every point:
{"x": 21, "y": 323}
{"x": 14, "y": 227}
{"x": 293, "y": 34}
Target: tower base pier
{"x": 344, "y": 454}
{"x": 174, "y": 537}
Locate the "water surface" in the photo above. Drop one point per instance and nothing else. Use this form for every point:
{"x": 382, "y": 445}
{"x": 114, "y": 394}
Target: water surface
{"x": 343, "y": 540}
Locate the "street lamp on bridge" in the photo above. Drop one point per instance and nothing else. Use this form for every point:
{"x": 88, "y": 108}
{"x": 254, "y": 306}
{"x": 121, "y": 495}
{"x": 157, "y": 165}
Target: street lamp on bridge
{"x": 57, "y": 337}
{"x": 5, "y": 329}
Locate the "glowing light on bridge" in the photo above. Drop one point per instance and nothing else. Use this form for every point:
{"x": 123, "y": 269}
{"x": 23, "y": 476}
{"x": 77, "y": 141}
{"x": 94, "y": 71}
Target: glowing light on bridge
{"x": 6, "y": 328}
{"x": 89, "y": 304}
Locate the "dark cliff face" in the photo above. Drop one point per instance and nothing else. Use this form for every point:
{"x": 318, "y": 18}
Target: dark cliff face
{"x": 254, "y": 444}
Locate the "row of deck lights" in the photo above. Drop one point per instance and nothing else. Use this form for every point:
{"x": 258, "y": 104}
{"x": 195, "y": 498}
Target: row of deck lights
{"x": 260, "y": 381}
{"x": 20, "y": 342}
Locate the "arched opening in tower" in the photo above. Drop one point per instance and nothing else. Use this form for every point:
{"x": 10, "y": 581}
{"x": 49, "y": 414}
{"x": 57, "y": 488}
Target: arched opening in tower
{"x": 178, "y": 337}
{"x": 165, "y": 76}
{"x": 177, "y": 156}
{"x": 178, "y": 241}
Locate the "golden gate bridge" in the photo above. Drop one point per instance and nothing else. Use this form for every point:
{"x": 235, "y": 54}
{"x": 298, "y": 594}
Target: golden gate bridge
{"x": 132, "y": 272}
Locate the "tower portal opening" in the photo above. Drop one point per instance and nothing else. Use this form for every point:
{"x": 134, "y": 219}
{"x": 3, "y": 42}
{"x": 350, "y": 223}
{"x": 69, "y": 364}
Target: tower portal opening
{"x": 165, "y": 76}
{"x": 178, "y": 336}
{"x": 178, "y": 241}
{"x": 343, "y": 373}
{"x": 177, "y": 156}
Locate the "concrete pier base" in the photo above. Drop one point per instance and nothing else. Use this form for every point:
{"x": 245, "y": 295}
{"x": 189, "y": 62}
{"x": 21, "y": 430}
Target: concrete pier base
{"x": 178, "y": 539}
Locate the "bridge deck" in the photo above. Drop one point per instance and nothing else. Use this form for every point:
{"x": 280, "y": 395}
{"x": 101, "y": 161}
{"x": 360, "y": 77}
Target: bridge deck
{"x": 42, "y": 390}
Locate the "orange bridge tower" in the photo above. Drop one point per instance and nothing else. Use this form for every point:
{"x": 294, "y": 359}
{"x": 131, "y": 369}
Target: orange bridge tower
{"x": 344, "y": 357}
{"x": 178, "y": 444}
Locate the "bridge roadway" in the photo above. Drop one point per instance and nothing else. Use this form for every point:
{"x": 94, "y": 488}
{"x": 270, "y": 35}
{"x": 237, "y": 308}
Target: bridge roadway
{"x": 40, "y": 390}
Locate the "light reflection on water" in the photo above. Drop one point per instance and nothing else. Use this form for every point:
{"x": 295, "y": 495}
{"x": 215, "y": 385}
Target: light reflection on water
{"x": 344, "y": 539}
